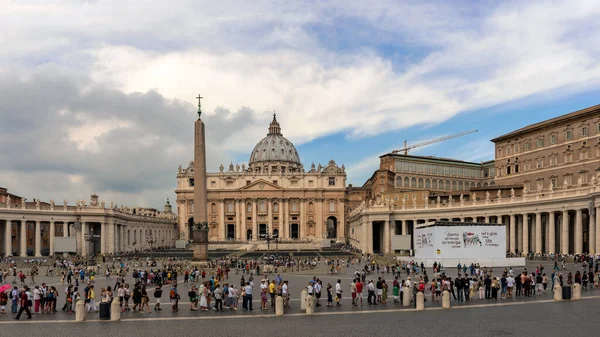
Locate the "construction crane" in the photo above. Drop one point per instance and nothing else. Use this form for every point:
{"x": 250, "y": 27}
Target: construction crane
{"x": 432, "y": 141}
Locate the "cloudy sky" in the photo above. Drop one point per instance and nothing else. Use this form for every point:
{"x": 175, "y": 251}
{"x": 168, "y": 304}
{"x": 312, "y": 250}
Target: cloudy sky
{"x": 98, "y": 96}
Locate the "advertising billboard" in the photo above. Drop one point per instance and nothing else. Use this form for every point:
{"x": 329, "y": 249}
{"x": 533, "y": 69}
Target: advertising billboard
{"x": 461, "y": 241}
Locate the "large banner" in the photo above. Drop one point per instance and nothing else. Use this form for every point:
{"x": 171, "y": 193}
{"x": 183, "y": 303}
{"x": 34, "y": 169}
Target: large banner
{"x": 483, "y": 242}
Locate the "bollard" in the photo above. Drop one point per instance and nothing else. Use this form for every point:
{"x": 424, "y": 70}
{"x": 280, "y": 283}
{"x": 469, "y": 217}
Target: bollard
{"x": 310, "y": 305}
{"x": 115, "y": 311}
{"x": 406, "y": 296}
{"x": 446, "y": 299}
{"x": 576, "y": 291}
{"x": 279, "y": 306}
{"x": 303, "y": 295}
{"x": 80, "y": 311}
{"x": 420, "y": 301}
{"x": 557, "y": 292}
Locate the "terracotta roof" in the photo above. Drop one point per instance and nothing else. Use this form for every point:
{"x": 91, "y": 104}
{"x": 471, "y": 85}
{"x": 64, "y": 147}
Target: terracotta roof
{"x": 398, "y": 155}
{"x": 550, "y": 122}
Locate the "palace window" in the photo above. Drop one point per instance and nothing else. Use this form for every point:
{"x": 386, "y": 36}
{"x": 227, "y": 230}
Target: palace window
{"x": 527, "y": 146}
{"x": 275, "y": 207}
{"x": 553, "y": 181}
{"x": 508, "y": 150}
{"x": 540, "y": 162}
{"x": 229, "y": 182}
{"x": 331, "y": 181}
{"x": 248, "y": 208}
{"x": 583, "y": 177}
{"x": 274, "y": 182}
{"x": 516, "y": 148}
{"x": 331, "y": 206}
{"x": 499, "y": 152}
{"x": 191, "y": 182}
{"x": 597, "y": 127}
{"x": 248, "y": 182}
{"x": 398, "y": 181}
{"x": 568, "y": 135}
{"x": 584, "y": 131}
{"x": 540, "y": 142}
{"x": 229, "y": 207}
{"x": 553, "y": 160}
{"x": 568, "y": 179}
{"x": 262, "y": 206}
{"x": 553, "y": 139}
{"x": 583, "y": 154}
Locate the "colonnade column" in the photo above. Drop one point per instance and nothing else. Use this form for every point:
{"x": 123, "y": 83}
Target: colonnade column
{"x": 513, "y": 237}
{"x": 386, "y": 236}
{"x": 564, "y": 237}
{"x": 254, "y": 221}
{"x": 65, "y": 229}
{"x": 592, "y": 232}
{"x": 23, "y": 239}
{"x": 597, "y": 230}
{"x": 280, "y": 217}
{"x": 286, "y": 219}
{"x": 578, "y": 231}
{"x": 270, "y": 215}
{"x": 243, "y": 222}
{"x": 238, "y": 222}
{"x": 222, "y": 226}
{"x": 538, "y": 233}
{"x": 519, "y": 229}
{"x": 525, "y": 234}
{"x": 8, "y": 238}
{"x": 103, "y": 237}
{"x": 84, "y": 244}
{"x": 112, "y": 239}
{"x": 551, "y": 233}
{"x": 303, "y": 225}
{"x": 51, "y": 236}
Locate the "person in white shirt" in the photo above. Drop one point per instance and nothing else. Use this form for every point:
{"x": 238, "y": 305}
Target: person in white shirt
{"x": 285, "y": 293}
{"x": 338, "y": 292}
{"x": 37, "y": 299}
{"x": 510, "y": 281}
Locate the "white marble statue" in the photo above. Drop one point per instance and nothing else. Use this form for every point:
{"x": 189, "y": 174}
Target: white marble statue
{"x": 8, "y": 201}
{"x": 37, "y": 203}
{"x": 593, "y": 180}
{"x": 487, "y": 196}
{"x": 102, "y": 204}
{"x": 525, "y": 190}
{"x": 403, "y": 202}
{"x": 221, "y": 168}
{"x": 499, "y": 194}
{"x": 23, "y": 203}
{"x": 461, "y": 198}
{"x": 579, "y": 182}
{"x": 439, "y": 200}
{"x": 551, "y": 187}
{"x": 512, "y": 192}
{"x": 565, "y": 184}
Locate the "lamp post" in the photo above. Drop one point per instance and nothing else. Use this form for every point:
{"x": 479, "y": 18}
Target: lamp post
{"x": 91, "y": 237}
{"x": 151, "y": 240}
{"x": 271, "y": 237}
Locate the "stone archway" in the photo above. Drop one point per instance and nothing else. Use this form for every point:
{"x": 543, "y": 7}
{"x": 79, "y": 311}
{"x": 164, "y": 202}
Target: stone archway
{"x": 332, "y": 225}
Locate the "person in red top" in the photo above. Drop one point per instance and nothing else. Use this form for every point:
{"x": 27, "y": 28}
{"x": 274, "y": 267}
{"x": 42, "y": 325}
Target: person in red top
{"x": 359, "y": 289}
{"x": 24, "y": 304}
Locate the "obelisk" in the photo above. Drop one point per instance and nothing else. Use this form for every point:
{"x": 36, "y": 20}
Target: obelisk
{"x": 200, "y": 237}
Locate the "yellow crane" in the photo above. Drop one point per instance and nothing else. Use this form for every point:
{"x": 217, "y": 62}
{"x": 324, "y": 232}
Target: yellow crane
{"x": 432, "y": 141}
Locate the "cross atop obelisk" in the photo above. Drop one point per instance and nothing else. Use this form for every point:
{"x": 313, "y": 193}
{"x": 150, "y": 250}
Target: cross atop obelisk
{"x": 199, "y": 98}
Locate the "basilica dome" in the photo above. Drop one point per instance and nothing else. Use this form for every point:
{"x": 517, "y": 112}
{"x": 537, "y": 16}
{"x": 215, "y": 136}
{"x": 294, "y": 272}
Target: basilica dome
{"x": 274, "y": 151}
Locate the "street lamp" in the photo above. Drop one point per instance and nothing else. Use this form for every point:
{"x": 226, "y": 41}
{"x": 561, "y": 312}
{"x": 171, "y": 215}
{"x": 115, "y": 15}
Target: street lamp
{"x": 91, "y": 237}
{"x": 151, "y": 240}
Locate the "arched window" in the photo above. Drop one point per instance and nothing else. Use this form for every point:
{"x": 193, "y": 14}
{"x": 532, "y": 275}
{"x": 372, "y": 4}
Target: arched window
{"x": 248, "y": 208}
{"x": 413, "y": 182}
{"x": 406, "y": 182}
{"x": 453, "y": 185}
{"x": 460, "y": 185}
{"x": 262, "y": 206}
{"x": 447, "y": 185}
{"x": 331, "y": 206}
{"x": 398, "y": 181}
{"x": 427, "y": 183}
{"x": 472, "y": 184}
{"x": 275, "y": 207}
{"x": 230, "y": 207}
{"x": 434, "y": 184}
{"x": 213, "y": 208}
{"x": 421, "y": 185}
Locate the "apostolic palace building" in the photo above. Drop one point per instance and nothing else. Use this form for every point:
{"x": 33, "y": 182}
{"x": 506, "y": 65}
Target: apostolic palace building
{"x": 543, "y": 185}
{"x": 272, "y": 196}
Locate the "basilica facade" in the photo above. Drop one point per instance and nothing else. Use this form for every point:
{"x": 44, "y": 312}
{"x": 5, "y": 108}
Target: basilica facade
{"x": 272, "y": 196}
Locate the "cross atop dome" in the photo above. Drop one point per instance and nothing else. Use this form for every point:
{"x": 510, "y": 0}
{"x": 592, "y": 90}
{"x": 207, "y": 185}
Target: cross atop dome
{"x": 274, "y": 126}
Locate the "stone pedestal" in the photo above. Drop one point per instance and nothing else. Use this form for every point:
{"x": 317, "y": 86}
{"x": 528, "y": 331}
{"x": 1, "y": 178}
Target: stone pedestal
{"x": 576, "y": 291}
{"x": 115, "y": 311}
{"x": 406, "y": 296}
{"x": 200, "y": 245}
{"x": 80, "y": 311}
{"x": 303, "y": 295}
{"x": 557, "y": 292}
{"x": 446, "y": 299}
{"x": 310, "y": 305}
{"x": 420, "y": 301}
{"x": 279, "y": 306}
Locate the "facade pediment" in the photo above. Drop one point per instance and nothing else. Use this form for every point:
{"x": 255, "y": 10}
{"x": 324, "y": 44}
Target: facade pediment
{"x": 261, "y": 185}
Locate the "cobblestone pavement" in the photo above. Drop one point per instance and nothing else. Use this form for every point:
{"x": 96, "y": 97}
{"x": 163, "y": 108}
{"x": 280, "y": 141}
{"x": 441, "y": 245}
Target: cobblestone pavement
{"x": 297, "y": 282}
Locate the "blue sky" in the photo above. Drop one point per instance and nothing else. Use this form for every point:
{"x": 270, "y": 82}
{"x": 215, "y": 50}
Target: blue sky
{"x": 109, "y": 86}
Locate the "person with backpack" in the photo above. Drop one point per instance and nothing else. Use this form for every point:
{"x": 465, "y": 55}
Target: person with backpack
{"x": 14, "y": 296}
{"x": 157, "y": 295}
{"x": 25, "y": 303}
{"x": 174, "y": 297}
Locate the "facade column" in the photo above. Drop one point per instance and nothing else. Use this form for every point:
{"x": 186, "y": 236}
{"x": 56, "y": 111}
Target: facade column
{"x": 103, "y": 237}
{"x": 341, "y": 230}
{"x": 364, "y": 239}
{"x": 269, "y": 203}
{"x": 519, "y": 220}
{"x": 303, "y": 226}
{"x": 319, "y": 218}
{"x": 404, "y": 227}
{"x": 286, "y": 219}
{"x": 538, "y": 233}
{"x": 65, "y": 229}
{"x": 578, "y": 231}
{"x": 525, "y": 235}
{"x": 386, "y": 236}
{"x": 112, "y": 240}
{"x": 551, "y": 233}
{"x": 38, "y": 239}
{"x": 243, "y": 222}
{"x": 51, "y": 237}
{"x": 280, "y": 217}
{"x": 254, "y": 221}
{"x": 23, "y": 239}
{"x": 564, "y": 237}
{"x": 222, "y": 226}
{"x": 369, "y": 237}
{"x": 513, "y": 236}
{"x": 486, "y": 219}
{"x": 592, "y": 232}
{"x": 8, "y": 238}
